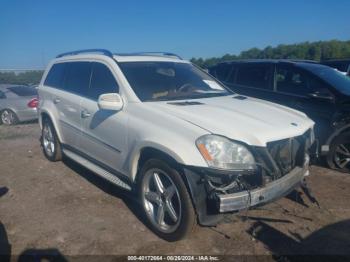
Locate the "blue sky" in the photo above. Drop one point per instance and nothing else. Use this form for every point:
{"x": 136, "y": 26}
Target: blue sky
{"x": 33, "y": 32}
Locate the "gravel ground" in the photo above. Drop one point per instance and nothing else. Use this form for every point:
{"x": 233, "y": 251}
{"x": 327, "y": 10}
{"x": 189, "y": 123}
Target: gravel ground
{"x": 63, "y": 208}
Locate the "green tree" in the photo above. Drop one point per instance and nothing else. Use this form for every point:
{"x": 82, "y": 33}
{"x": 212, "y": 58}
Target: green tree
{"x": 321, "y": 50}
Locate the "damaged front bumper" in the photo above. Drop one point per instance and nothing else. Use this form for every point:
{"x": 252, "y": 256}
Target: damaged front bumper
{"x": 272, "y": 191}
{"x": 281, "y": 167}
{"x": 212, "y": 205}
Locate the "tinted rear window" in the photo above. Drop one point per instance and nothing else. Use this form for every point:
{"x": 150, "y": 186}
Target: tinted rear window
{"x": 257, "y": 76}
{"x": 77, "y": 77}
{"x": 23, "y": 90}
{"x": 55, "y": 76}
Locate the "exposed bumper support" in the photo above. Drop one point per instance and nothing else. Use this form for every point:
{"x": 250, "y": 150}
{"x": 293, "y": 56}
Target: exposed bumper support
{"x": 270, "y": 192}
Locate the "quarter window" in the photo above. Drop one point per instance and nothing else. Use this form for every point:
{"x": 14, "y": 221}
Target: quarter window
{"x": 55, "y": 76}
{"x": 102, "y": 81}
{"x": 257, "y": 76}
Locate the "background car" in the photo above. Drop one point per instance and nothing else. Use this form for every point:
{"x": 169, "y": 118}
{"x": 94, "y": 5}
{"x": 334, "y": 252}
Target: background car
{"x": 343, "y": 65}
{"x": 18, "y": 103}
{"x": 317, "y": 90}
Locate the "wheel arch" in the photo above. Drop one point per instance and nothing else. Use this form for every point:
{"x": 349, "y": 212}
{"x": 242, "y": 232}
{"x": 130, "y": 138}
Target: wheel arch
{"x": 336, "y": 133}
{"x": 46, "y": 115}
{"x": 147, "y": 152}
{"x": 190, "y": 178}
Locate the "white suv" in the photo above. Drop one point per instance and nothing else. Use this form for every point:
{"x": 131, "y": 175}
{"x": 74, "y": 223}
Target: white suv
{"x": 158, "y": 126}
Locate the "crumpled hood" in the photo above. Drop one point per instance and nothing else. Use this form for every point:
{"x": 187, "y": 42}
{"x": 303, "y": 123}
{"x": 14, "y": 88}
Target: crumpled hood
{"x": 252, "y": 121}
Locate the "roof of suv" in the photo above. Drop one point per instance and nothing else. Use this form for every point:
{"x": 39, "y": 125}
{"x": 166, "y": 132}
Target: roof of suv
{"x": 295, "y": 61}
{"x": 122, "y": 57}
{"x": 336, "y": 60}
{"x": 138, "y": 58}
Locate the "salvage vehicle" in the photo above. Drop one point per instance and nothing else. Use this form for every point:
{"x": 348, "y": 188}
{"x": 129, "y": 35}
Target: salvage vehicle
{"x": 158, "y": 126}
{"x": 17, "y": 104}
{"x": 319, "y": 91}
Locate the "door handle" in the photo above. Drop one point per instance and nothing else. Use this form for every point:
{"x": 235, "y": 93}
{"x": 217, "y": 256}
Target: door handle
{"x": 56, "y": 100}
{"x": 85, "y": 114}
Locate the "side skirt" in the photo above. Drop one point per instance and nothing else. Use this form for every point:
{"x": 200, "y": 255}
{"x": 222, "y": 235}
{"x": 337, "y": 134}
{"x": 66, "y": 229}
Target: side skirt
{"x": 94, "y": 167}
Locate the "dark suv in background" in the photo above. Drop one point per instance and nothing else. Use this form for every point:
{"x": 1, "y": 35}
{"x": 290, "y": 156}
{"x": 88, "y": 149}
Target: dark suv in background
{"x": 342, "y": 65}
{"x": 317, "y": 90}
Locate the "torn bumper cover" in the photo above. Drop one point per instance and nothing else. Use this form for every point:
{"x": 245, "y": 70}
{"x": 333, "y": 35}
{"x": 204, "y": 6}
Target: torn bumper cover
{"x": 274, "y": 190}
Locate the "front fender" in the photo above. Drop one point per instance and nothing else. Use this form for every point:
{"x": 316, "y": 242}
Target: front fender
{"x": 135, "y": 154}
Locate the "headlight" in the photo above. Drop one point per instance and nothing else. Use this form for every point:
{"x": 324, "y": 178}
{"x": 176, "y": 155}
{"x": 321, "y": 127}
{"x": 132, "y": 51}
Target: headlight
{"x": 222, "y": 153}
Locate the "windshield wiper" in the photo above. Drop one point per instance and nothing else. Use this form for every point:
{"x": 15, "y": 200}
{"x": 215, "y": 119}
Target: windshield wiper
{"x": 196, "y": 96}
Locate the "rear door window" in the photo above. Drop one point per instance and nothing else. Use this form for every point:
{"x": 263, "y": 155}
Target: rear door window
{"x": 2, "y": 95}
{"x": 77, "y": 79}
{"x": 102, "y": 81}
{"x": 255, "y": 75}
{"x": 55, "y": 76}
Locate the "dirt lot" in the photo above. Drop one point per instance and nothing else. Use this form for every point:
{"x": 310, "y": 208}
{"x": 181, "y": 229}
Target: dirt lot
{"x": 65, "y": 208}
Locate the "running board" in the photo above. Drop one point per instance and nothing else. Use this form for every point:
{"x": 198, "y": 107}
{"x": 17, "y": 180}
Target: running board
{"x": 96, "y": 169}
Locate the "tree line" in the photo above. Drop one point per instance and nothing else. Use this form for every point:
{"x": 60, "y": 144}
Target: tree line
{"x": 25, "y": 78}
{"x": 321, "y": 50}
{"x": 318, "y": 51}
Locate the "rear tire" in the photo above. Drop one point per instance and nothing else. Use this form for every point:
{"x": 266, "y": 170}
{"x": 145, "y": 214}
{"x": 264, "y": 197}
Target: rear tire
{"x": 339, "y": 154}
{"x": 165, "y": 200}
{"x": 8, "y": 117}
{"x": 50, "y": 143}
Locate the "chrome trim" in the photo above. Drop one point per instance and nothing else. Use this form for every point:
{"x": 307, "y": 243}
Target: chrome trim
{"x": 275, "y": 189}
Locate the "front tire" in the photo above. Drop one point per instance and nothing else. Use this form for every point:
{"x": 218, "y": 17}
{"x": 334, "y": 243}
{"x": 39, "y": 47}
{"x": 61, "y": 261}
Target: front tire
{"x": 8, "y": 117}
{"x": 165, "y": 200}
{"x": 50, "y": 142}
{"x": 339, "y": 154}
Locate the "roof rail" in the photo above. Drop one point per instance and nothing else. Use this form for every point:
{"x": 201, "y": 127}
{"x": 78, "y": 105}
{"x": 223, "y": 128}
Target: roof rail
{"x": 151, "y": 54}
{"x": 103, "y": 51}
{"x": 304, "y": 61}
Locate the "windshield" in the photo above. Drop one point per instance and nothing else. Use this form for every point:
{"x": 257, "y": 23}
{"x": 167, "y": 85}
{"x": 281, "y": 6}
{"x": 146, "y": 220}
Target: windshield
{"x": 162, "y": 81}
{"x": 333, "y": 77}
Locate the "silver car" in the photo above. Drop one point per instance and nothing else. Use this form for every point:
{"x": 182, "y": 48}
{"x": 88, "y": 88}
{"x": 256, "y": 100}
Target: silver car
{"x": 18, "y": 103}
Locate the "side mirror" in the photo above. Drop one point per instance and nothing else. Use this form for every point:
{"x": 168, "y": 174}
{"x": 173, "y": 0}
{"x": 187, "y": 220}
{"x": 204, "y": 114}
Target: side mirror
{"x": 110, "y": 101}
{"x": 321, "y": 96}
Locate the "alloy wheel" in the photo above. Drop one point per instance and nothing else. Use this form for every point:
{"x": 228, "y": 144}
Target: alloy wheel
{"x": 48, "y": 140}
{"x": 342, "y": 156}
{"x": 7, "y": 117}
{"x": 161, "y": 200}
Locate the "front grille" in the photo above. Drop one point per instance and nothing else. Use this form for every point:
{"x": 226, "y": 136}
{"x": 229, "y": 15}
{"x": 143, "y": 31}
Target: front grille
{"x": 288, "y": 153}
